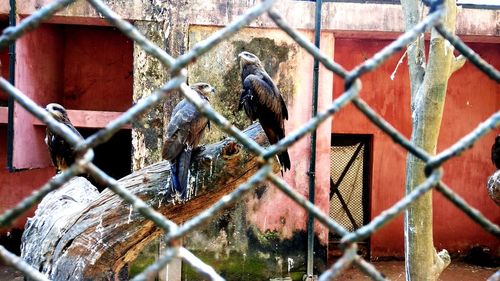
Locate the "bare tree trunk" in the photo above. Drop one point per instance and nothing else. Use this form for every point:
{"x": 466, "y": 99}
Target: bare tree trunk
{"x": 96, "y": 240}
{"x": 428, "y": 98}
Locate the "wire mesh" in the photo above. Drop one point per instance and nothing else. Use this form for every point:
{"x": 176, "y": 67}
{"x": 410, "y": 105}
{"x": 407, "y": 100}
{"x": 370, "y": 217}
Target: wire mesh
{"x": 347, "y": 193}
{"x": 178, "y": 82}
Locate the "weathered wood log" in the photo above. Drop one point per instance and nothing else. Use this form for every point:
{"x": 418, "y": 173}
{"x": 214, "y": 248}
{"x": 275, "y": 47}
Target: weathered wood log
{"x": 100, "y": 239}
{"x": 57, "y": 211}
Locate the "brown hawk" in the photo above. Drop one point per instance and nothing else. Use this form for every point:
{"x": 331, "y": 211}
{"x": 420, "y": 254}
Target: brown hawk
{"x": 62, "y": 153}
{"x": 183, "y": 134}
{"x": 261, "y": 99}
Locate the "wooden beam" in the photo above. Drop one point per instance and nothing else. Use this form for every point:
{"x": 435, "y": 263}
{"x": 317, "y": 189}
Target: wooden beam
{"x": 4, "y": 115}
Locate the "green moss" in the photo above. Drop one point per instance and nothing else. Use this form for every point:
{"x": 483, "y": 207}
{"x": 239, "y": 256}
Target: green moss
{"x": 221, "y": 69}
{"x": 145, "y": 258}
{"x": 235, "y": 267}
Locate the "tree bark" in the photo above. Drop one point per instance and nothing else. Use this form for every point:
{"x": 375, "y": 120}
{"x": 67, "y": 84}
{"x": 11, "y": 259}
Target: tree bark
{"x": 95, "y": 241}
{"x": 422, "y": 260}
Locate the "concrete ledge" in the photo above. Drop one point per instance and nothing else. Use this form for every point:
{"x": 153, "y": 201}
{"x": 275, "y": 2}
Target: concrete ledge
{"x": 88, "y": 118}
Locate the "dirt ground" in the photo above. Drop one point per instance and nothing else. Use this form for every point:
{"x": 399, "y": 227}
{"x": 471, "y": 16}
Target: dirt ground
{"x": 457, "y": 271}
{"x": 393, "y": 270}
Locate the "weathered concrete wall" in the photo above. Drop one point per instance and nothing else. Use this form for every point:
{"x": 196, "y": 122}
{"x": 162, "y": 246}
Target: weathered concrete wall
{"x": 34, "y": 58}
{"x": 266, "y": 230}
{"x": 168, "y": 29}
{"x": 346, "y": 19}
{"x": 149, "y": 75}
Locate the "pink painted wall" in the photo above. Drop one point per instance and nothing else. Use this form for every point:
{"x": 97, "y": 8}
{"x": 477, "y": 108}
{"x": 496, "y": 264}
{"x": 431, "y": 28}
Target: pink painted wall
{"x": 15, "y": 186}
{"x": 4, "y": 70}
{"x": 286, "y": 216}
{"x": 88, "y": 68}
{"x": 82, "y": 67}
{"x": 471, "y": 98}
{"x": 97, "y": 69}
{"x": 38, "y": 52}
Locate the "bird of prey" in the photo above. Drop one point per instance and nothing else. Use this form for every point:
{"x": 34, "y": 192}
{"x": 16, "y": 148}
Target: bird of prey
{"x": 261, "y": 99}
{"x": 183, "y": 134}
{"x": 62, "y": 153}
{"x": 495, "y": 152}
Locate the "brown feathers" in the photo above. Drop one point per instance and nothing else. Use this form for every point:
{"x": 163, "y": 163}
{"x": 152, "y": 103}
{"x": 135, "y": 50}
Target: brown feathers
{"x": 62, "y": 154}
{"x": 186, "y": 125}
{"x": 261, "y": 99}
{"x": 182, "y": 135}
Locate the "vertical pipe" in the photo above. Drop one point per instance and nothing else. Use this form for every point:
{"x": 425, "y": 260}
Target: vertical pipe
{"x": 312, "y": 162}
{"x": 10, "y": 104}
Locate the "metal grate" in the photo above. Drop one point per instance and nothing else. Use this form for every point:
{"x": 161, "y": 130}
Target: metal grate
{"x": 348, "y": 185}
{"x": 178, "y": 82}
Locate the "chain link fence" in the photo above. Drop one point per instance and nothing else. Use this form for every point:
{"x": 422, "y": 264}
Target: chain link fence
{"x": 178, "y": 82}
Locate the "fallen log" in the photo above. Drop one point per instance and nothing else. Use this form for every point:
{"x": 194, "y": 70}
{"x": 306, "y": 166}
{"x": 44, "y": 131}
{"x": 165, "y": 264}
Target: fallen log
{"x": 93, "y": 239}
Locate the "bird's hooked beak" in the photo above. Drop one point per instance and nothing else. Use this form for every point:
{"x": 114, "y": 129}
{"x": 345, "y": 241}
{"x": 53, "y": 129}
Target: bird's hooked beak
{"x": 241, "y": 56}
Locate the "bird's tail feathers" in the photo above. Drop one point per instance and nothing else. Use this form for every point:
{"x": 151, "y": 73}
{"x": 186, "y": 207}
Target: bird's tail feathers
{"x": 284, "y": 160}
{"x": 179, "y": 173}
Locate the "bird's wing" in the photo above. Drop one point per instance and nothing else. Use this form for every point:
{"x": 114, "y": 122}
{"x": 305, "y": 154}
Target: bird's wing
{"x": 184, "y": 129}
{"x": 61, "y": 152}
{"x": 267, "y": 94}
{"x": 50, "y": 140}
{"x": 284, "y": 110}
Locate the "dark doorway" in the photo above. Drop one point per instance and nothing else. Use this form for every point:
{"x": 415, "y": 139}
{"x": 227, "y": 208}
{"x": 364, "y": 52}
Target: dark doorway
{"x": 349, "y": 186}
{"x": 114, "y": 156}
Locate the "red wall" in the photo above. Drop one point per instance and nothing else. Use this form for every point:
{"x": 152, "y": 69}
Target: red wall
{"x": 81, "y": 67}
{"x": 471, "y": 98}
{"x": 97, "y": 69}
{"x": 4, "y": 69}
{"x": 15, "y": 186}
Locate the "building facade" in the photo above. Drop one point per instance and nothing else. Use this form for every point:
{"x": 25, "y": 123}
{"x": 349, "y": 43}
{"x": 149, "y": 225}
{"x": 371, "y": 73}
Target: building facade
{"x": 76, "y": 59}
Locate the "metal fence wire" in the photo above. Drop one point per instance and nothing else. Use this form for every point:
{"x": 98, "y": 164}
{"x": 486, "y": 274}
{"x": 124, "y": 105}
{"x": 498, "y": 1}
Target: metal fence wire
{"x": 348, "y": 199}
{"x": 178, "y": 82}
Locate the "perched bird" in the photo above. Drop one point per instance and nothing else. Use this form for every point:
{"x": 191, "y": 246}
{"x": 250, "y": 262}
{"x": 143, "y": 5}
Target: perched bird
{"x": 261, "y": 99}
{"x": 183, "y": 134}
{"x": 62, "y": 153}
{"x": 495, "y": 152}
